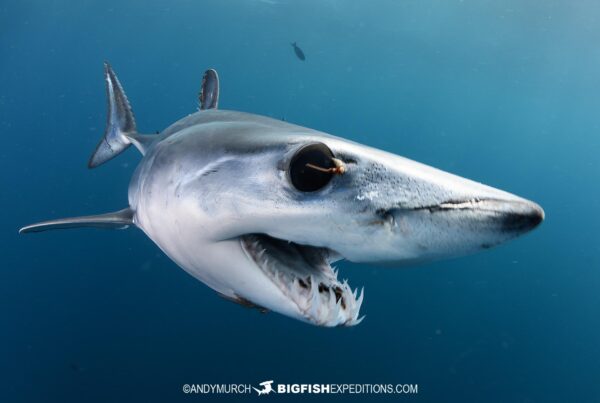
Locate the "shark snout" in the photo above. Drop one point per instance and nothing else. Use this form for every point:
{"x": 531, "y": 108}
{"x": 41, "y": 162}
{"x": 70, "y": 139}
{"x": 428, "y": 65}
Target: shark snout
{"x": 505, "y": 215}
{"x": 489, "y": 222}
{"x": 460, "y": 227}
{"x": 522, "y": 217}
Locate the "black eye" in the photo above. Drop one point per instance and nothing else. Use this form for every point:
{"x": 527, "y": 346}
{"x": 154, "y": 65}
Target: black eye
{"x": 307, "y": 178}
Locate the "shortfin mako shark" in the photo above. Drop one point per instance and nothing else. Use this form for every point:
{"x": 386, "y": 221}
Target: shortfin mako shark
{"x": 258, "y": 209}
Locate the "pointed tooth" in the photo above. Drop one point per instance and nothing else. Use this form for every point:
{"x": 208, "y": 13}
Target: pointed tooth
{"x": 331, "y": 301}
{"x": 355, "y": 292}
{"x": 281, "y": 278}
{"x": 296, "y": 282}
{"x": 300, "y": 291}
{"x": 297, "y": 294}
{"x": 267, "y": 265}
{"x": 337, "y": 309}
{"x": 357, "y": 321}
{"x": 331, "y": 314}
{"x": 296, "y": 286}
{"x": 314, "y": 306}
{"x": 314, "y": 293}
{"x": 360, "y": 300}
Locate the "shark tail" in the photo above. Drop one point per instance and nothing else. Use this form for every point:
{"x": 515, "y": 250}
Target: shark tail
{"x": 121, "y": 130}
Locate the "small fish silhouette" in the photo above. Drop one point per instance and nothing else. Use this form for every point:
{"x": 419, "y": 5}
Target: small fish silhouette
{"x": 298, "y": 51}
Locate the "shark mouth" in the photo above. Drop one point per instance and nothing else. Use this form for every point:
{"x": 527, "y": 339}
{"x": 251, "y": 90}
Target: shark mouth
{"x": 304, "y": 275}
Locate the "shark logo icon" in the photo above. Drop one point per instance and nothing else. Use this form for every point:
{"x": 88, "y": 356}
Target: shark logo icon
{"x": 266, "y": 388}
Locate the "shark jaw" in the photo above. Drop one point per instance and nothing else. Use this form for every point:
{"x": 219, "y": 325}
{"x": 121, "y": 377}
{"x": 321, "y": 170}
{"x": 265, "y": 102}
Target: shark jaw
{"x": 304, "y": 275}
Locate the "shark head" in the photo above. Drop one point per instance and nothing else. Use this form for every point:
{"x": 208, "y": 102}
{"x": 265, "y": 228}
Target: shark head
{"x": 260, "y": 209}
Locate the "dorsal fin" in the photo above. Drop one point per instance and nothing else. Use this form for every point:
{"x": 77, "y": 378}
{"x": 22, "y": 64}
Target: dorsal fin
{"x": 209, "y": 92}
{"x": 118, "y": 219}
{"x": 121, "y": 130}
{"x": 119, "y": 123}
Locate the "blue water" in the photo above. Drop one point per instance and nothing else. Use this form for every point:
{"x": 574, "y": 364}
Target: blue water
{"x": 503, "y": 92}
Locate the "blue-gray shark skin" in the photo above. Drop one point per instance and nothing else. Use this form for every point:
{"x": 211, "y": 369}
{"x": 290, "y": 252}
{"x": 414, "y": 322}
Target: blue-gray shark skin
{"x": 216, "y": 192}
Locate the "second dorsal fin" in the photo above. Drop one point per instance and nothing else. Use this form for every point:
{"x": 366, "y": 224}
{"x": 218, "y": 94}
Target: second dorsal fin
{"x": 209, "y": 92}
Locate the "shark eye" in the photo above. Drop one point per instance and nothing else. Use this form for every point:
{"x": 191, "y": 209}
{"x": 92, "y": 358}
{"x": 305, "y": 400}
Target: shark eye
{"x": 311, "y": 167}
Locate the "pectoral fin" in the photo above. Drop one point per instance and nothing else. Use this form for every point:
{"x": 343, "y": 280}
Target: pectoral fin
{"x": 115, "y": 220}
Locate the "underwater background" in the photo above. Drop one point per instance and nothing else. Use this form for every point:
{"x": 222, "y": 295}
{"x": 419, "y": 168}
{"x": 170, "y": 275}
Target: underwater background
{"x": 504, "y": 92}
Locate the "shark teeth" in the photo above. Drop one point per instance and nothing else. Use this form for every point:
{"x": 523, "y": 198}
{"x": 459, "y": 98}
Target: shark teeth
{"x": 304, "y": 275}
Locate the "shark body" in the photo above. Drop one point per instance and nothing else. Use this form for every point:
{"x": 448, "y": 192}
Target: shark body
{"x": 258, "y": 209}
